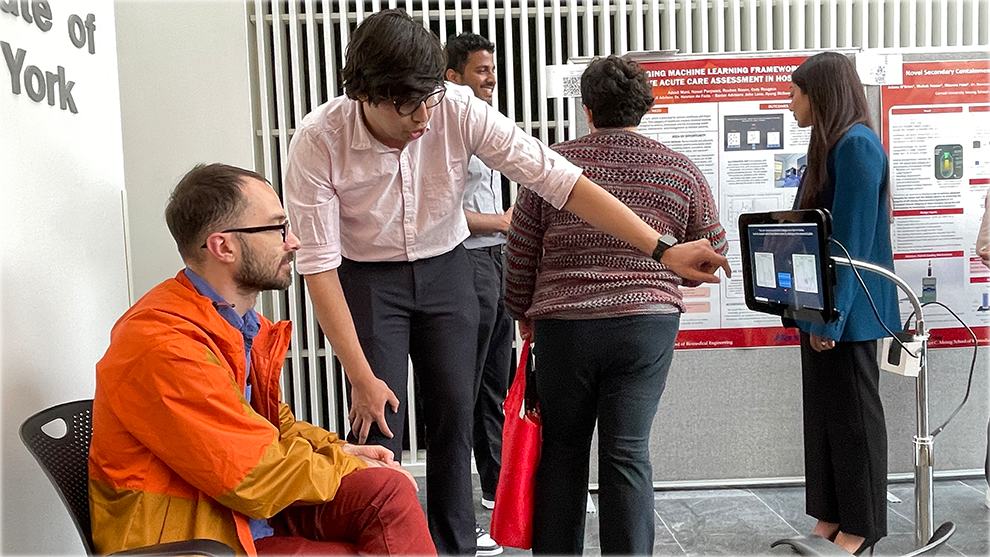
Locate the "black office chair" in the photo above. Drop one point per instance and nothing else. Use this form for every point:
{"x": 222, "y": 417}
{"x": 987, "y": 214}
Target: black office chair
{"x": 65, "y": 460}
{"x": 814, "y": 545}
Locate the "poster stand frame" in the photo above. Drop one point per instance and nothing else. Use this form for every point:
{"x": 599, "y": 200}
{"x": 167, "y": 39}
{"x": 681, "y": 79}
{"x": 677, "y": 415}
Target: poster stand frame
{"x": 923, "y": 440}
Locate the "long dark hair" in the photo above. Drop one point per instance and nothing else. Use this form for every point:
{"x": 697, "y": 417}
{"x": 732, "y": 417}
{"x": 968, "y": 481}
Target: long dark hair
{"x": 838, "y": 103}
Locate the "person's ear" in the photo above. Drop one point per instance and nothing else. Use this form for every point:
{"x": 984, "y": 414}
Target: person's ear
{"x": 221, "y": 248}
{"x": 453, "y": 76}
{"x": 591, "y": 121}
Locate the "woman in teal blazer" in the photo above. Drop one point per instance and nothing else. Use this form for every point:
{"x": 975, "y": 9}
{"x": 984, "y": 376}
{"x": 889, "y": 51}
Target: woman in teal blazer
{"x": 845, "y": 435}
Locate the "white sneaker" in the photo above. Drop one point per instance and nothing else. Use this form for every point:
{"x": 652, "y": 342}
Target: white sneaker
{"x": 488, "y": 503}
{"x": 486, "y": 545}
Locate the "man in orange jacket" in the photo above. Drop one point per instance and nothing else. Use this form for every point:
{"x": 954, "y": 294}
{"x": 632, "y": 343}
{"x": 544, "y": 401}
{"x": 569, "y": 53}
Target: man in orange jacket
{"x": 190, "y": 437}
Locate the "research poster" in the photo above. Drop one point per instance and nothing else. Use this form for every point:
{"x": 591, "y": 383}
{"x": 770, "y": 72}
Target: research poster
{"x": 731, "y": 117}
{"x": 936, "y": 128}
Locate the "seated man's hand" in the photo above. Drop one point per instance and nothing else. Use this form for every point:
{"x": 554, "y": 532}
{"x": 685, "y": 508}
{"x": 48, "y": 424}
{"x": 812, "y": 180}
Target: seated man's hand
{"x": 377, "y": 456}
{"x": 368, "y": 401}
{"x": 373, "y": 452}
{"x": 695, "y": 261}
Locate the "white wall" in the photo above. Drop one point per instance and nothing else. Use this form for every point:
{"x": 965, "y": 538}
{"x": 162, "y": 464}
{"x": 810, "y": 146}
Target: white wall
{"x": 63, "y": 281}
{"x": 185, "y": 98}
{"x": 182, "y": 97}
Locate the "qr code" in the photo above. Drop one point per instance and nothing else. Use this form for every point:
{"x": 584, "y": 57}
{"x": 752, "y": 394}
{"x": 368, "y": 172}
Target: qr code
{"x": 571, "y": 86}
{"x": 880, "y": 75}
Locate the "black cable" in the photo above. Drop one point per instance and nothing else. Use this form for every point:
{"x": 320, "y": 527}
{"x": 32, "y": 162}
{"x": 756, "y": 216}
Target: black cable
{"x": 872, "y": 304}
{"x": 972, "y": 364}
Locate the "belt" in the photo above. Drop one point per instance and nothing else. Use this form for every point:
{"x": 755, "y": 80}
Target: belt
{"x": 500, "y": 248}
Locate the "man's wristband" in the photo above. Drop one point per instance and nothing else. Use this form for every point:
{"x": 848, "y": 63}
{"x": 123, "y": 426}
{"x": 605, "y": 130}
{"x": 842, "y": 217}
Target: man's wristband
{"x": 664, "y": 243}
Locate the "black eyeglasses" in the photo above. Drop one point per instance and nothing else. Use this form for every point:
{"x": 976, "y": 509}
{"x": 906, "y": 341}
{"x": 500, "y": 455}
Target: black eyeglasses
{"x": 405, "y": 108}
{"x": 283, "y": 228}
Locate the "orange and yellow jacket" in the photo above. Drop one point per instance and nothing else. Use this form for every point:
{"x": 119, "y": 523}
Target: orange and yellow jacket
{"x": 177, "y": 452}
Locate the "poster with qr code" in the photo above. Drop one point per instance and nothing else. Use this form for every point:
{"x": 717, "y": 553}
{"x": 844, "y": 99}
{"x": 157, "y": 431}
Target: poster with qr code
{"x": 731, "y": 116}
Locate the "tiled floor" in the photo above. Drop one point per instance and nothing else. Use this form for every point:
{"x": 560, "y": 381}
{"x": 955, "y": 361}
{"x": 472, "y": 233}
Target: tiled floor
{"x": 746, "y": 521}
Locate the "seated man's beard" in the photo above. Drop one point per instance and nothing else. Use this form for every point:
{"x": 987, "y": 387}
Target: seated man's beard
{"x": 254, "y": 274}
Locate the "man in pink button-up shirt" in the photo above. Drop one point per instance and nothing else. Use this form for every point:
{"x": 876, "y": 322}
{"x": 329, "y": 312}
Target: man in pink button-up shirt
{"x": 373, "y": 185}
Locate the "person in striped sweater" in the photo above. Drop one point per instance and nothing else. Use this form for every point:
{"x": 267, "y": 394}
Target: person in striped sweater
{"x": 604, "y": 315}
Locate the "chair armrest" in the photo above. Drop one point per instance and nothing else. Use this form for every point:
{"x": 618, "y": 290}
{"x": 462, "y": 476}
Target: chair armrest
{"x": 207, "y": 548}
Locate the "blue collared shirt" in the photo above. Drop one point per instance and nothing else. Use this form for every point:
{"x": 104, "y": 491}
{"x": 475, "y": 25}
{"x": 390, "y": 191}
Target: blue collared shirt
{"x": 248, "y": 326}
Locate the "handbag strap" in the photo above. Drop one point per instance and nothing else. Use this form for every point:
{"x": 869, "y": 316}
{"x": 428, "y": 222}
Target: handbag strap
{"x": 532, "y": 400}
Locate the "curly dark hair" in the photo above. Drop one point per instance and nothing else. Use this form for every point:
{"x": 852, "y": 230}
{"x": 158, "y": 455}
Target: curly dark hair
{"x": 458, "y": 48}
{"x": 392, "y": 57}
{"x": 617, "y": 92}
{"x": 207, "y": 199}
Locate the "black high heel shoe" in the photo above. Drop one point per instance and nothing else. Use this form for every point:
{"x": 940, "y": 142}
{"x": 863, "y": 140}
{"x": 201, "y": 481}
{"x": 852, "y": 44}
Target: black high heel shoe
{"x": 866, "y": 547}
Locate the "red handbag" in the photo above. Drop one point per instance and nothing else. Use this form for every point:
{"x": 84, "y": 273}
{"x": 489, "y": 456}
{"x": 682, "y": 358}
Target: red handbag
{"x": 512, "y": 519}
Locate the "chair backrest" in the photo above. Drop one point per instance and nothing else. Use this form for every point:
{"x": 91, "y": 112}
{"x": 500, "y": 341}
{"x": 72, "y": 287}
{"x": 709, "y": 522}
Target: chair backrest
{"x": 65, "y": 459}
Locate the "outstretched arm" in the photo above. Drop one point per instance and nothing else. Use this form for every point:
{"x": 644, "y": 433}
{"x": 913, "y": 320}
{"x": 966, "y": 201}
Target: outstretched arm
{"x": 693, "y": 260}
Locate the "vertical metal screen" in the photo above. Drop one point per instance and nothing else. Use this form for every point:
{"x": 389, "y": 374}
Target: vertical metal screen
{"x": 299, "y": 47}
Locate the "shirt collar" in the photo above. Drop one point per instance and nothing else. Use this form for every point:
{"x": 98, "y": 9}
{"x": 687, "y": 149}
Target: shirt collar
{"x": 361, "y": 140}
{"x": 247, "y": 325}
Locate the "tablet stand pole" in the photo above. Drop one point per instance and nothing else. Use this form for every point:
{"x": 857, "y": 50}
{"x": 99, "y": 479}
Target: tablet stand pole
{"x": 923, "y": 469}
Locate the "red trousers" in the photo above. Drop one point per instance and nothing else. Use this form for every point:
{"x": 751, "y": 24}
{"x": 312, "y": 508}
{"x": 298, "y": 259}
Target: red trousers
{"x": 375, "y": 512}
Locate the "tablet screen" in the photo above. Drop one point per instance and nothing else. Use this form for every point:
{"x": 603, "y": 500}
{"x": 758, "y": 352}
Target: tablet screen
{"x": 787, "y": 268}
